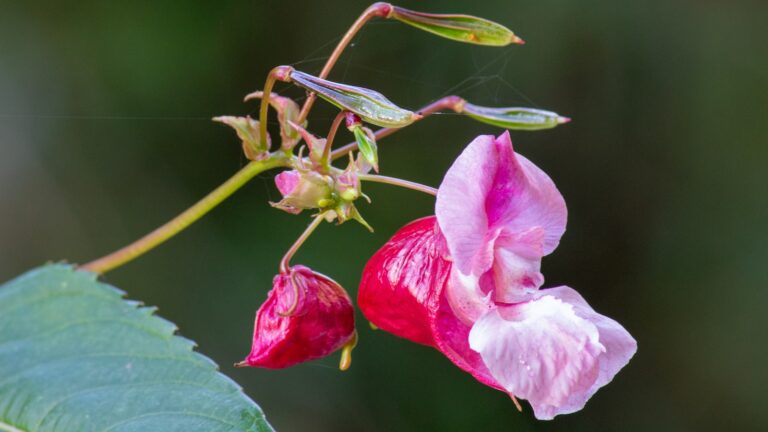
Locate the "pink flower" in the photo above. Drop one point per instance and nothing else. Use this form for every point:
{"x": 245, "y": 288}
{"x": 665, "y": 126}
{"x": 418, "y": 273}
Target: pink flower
{"x": 467, "y": 282}
{"x": 306, "y": 316}
{"x": 303, "y": 190}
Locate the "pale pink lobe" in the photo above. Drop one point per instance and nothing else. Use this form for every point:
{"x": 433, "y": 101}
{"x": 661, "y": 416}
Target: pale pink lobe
{"x": 306, "y": 316}
{"x": 553, "y": 351}
{"x": 287, "y": 182}
{"x": 451, "y": 335}
{"x": 401, "y": 283}
{"x": 500, "y": 214}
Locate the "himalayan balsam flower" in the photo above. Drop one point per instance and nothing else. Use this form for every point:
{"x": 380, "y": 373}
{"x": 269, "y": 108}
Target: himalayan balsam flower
{"x": 467, "y": 283}
{"x": 306, "y": 316}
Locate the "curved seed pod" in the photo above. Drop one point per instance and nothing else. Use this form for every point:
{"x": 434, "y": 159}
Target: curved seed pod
{"x": 515, "y": 118}
{"x": 370, "y": 105}
{"x": 462, "y": 28}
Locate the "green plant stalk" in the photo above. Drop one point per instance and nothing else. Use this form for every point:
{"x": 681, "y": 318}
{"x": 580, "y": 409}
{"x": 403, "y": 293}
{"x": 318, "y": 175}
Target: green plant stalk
{"x": 377, "y": 9}
{"x": 285, "y": 263}
{"x": 187, "y": 218}
{"x": 398, "y": 182}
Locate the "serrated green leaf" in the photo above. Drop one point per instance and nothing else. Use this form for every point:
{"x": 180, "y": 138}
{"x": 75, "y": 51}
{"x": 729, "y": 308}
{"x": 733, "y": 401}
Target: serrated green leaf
{"x": 515, "y": 118}
{"x": 462, "y": 28}
{"x": 75, "y": 356}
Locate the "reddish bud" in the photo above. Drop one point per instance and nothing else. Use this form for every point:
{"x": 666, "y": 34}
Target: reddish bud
{"x": 306, "y": 316}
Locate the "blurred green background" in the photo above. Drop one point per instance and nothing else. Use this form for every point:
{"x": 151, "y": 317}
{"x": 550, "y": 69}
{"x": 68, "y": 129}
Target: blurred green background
{"x": 105, "y": 134}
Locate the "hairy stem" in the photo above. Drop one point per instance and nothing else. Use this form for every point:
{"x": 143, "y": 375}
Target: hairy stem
{"x": 185, "y": 219}
{"x": 374, "y": 10}
{"x": 454, "y": 103}
{"x": 398, "y": 182}
{"x": 285, "y": 262}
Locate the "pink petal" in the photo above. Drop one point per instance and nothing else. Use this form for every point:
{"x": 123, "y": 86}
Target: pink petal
{"x": 540, "y": 350}
{"x": 490, "y": 189}
{"x": 451, "y": 335}
{"x": 619, "y": 345}
{"x": 460, "y": 205}
{"x": 402, "y": 281}
{"x": 290, "y": 329}
{"x": 287, "y": 181}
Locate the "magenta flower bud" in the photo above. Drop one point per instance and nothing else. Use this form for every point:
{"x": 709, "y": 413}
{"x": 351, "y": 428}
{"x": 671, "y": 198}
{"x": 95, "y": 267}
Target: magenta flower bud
{"x": 303, "y": 190}
{"x": 306, "y": 316}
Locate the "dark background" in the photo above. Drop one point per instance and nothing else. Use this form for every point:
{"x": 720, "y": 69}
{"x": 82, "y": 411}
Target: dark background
{"x": 105, "y": 134}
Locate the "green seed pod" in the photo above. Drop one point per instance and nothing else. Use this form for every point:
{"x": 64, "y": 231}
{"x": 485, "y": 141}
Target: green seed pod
{"x": 515, "y": 118}
{"x": 462, "y": 28}
{"x": 370, "y": 105}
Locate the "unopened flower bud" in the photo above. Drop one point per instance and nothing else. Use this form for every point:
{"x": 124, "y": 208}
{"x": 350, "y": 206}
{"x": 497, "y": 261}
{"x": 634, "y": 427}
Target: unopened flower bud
{"x": 303, "y": 190}
{"x": 306, "y": 316}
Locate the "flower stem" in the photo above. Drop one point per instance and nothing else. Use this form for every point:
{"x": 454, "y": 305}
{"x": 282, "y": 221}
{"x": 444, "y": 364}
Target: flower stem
{"x": 398, "y": 182}
{"x": 454, "y": 103}
{"x": 285, "y": 262}
{"x": 331, "y": 135}
{"x": 374, "y": 10}
{"x": 279, "y": 73}
{"x": 185, "y": 219}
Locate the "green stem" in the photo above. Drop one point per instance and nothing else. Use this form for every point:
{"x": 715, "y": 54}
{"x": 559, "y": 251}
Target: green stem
{"x": 285, "y": 262}
{"x": 375, "y": 10}
{"x": 185, "y": 219}
{"x": 398, "y": 182}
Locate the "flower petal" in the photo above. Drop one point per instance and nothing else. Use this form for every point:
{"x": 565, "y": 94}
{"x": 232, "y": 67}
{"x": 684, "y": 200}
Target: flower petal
{"x": 488, "y": 189}
{"x": 451, "y": 335}
{"x": 540, "y": 350}
{"x": 460, "y": 205}
{"x": 619, "y": 345}
{"x": 401, "y": 281}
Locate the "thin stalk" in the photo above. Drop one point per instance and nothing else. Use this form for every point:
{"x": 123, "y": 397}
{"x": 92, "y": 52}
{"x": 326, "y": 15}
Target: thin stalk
{"x": 398, "y": 182}
{"x": 454, "y": 103}
{"x": 279, "y": 73}
{"x": 374, "y": 10}
{"x": 331, "y": 135}
{"x": 285, "y": 262}
{"x": 185, "y": 219}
